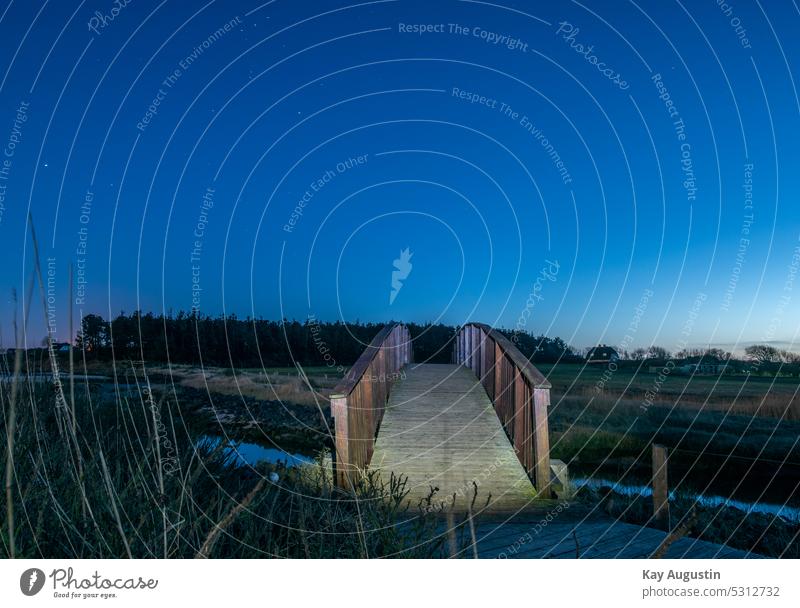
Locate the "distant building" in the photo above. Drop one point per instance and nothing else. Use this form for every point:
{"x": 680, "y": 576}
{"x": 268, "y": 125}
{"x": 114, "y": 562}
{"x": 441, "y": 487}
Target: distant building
{"x": 656, "y": 366}
{"x": 707, "y": 365}
{"x": 61, "y": 347}
{"x": 602, "y": 354}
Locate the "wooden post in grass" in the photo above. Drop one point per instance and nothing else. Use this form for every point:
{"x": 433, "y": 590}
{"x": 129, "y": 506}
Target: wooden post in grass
{"x": 660, "y": 487}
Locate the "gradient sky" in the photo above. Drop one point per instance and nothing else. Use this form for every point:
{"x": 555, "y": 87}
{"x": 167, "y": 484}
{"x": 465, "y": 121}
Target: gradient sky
{"x": 292, "y": 91}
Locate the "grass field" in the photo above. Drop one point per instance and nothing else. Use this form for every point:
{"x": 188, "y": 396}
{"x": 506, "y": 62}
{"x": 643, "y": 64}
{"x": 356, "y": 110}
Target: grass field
{"x": 760, "y": 395}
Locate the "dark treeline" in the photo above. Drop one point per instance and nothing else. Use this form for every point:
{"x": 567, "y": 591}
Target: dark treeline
{"x": 230, "y": 341}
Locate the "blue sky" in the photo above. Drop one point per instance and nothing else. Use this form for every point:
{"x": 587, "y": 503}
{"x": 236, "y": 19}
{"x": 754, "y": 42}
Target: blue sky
{"x": 490, "y": 159}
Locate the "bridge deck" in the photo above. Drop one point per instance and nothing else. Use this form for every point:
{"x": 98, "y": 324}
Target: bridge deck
{"x": 440, "y": 429}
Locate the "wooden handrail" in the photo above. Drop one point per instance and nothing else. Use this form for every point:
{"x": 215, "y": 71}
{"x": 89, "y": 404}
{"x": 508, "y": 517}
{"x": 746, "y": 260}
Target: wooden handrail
{"x": 519, "y": 392}
{"x": 359, "y": 400}
{"x": 533, "y": 375}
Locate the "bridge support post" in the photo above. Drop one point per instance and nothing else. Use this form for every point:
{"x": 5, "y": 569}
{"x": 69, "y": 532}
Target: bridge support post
{"x": 341, "y": 441}
{"x": 541, "y": 442}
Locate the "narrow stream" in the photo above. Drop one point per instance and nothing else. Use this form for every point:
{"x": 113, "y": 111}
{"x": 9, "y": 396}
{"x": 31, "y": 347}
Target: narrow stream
{"x": 251, "y": 453}
{"x": 787, "y": 512}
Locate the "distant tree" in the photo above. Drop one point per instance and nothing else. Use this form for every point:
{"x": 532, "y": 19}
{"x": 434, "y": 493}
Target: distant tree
{"x": 762, "y": 353}
{"x": 718, "y": 353}
{"x": 93, "y": 335}
{"x": 787, "y": 356}
{"x": 658, "y": 352}
{"x": 540, "y": 349}
{"x": 229, "y": 341}
{"x": 703, "y": 352}
{"x": 639, "y": 354}
{"x": 432, "y": 343}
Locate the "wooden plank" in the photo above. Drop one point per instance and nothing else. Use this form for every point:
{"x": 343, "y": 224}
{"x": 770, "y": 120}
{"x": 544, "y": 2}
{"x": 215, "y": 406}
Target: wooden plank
{"x": 520, "y": 434}
{"x": 487, "y": 352}
{"x": 473, "y": 359}
{"x": 467, "y": 346}
{"x": 498, "y": 381}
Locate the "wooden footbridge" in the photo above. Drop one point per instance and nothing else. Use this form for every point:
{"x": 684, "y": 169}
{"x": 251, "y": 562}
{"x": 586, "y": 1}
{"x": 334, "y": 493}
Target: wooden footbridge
{"x": 472, "y": 437}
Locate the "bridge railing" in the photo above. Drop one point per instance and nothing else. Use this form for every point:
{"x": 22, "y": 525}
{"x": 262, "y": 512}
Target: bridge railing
{"x": 359, "y": 400}
{"x": 519, "y": 392}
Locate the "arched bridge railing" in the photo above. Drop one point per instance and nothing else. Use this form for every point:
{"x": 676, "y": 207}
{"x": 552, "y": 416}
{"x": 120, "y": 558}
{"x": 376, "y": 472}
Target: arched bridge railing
{"x": 519, "y": 392}
{"x": 359, "y": 400}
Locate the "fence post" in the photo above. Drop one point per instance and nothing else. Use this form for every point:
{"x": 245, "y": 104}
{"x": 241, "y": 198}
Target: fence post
{"x": 660, "y": 486}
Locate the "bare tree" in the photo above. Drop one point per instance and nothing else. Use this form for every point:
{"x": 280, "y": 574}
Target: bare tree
{"x": 658, "y": 352}
{"x": 762, "y": 353}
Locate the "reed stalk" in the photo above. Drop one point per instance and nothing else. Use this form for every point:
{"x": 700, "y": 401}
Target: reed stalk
{"x": 208, "y": 544}
{"x": 113, "y": 502}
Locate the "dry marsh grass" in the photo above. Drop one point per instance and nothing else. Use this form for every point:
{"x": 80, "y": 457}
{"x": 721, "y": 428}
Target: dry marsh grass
{"x": 740, "y": 395}
{"x": 272, "y": 386}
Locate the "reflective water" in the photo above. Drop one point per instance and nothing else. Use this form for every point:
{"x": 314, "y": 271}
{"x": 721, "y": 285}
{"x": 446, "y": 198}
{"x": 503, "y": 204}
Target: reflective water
{"x": 252, "y": 453}
{"x": 787, "y": 512}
